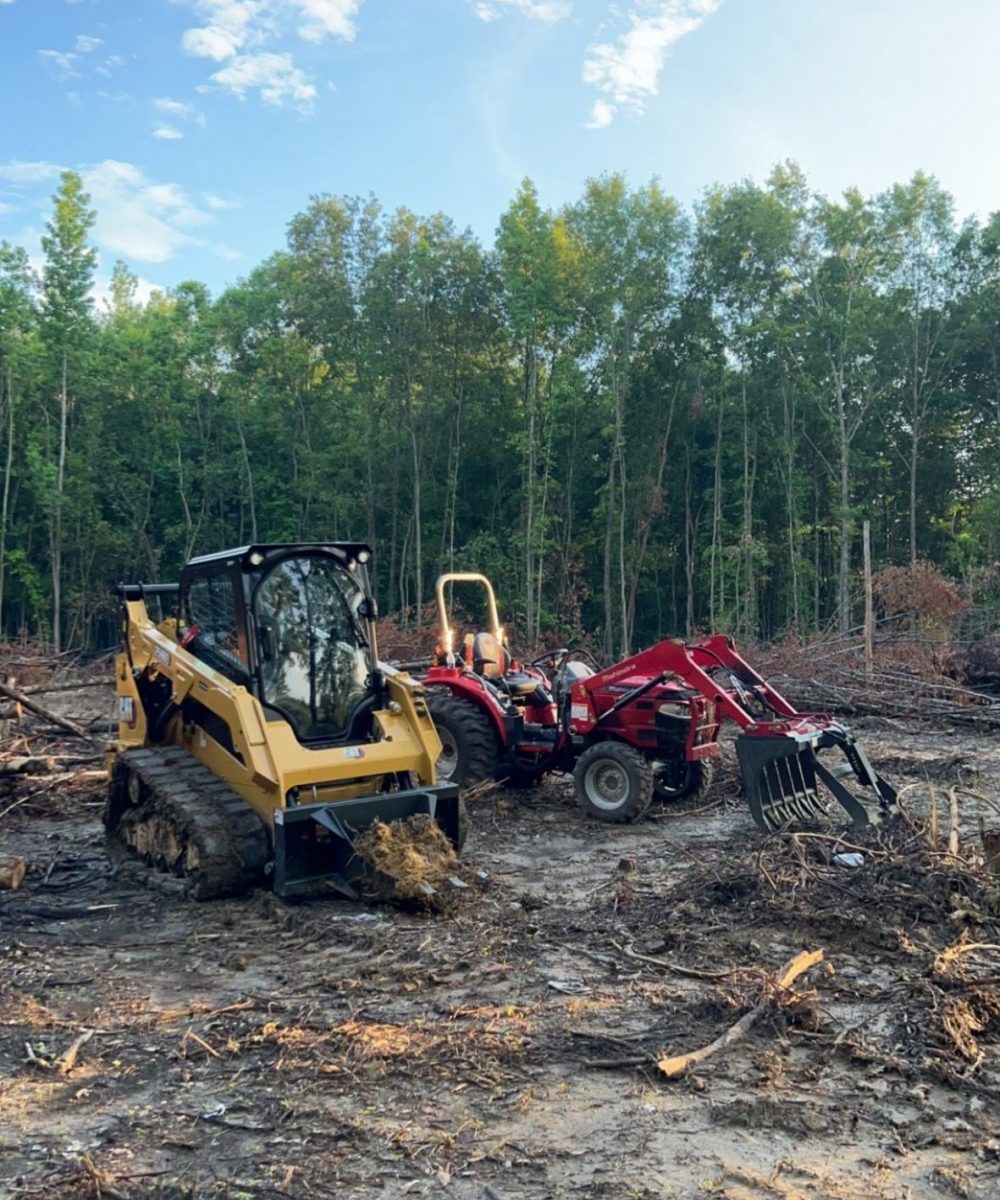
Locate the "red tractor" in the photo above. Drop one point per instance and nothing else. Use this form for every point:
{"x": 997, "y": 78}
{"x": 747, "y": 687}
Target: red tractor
{"x": 645, "y": 727}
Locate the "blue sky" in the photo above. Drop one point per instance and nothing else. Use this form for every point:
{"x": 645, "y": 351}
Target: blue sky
{"x": 202, "y": 126}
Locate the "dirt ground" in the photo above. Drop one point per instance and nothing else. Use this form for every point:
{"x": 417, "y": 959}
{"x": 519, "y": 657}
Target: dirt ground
{"x": 507, "y": 1050}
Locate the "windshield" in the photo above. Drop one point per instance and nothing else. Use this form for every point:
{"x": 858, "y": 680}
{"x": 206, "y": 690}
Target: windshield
{"x": 314, "y": 664}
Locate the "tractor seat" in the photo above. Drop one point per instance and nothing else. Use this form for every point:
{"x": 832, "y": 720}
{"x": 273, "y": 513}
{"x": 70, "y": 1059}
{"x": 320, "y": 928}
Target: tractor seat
{"x": 489, "y": 658}
{"x": 519, "y": 683}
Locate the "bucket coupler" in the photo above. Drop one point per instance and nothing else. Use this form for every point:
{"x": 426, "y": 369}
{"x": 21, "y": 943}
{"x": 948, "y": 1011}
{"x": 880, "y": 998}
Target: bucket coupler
{"x": 787, "y": 782}
{"x": 314, "y": 843}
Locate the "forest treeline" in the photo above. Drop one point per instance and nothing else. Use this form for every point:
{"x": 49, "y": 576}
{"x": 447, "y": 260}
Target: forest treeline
{"x": 639, "y": 420}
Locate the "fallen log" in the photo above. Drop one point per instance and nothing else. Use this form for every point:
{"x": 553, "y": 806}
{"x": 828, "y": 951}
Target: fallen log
{"x": 26, "y": 764}
{"x": 673, "y": 1065}
{"x": 12, "y": 871}
{"x": 42, "y": 689}
{"x": 67, "y": 1062}
{"x": 46, "y": 714}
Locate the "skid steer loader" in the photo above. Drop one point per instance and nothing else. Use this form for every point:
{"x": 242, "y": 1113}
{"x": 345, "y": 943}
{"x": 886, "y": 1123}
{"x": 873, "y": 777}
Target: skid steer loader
{"x": 258, "y": 734}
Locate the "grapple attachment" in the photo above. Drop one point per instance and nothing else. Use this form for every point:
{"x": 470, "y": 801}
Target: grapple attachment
{"x": 788, "y": 783}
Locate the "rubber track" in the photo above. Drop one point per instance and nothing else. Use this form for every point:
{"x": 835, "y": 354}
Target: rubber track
{"x": 232, "y": 843}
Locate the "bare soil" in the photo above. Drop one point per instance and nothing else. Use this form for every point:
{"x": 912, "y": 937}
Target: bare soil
{"x": 506, "y": 1049}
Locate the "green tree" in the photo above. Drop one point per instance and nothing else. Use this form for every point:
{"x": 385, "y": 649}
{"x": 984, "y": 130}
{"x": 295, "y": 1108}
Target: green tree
{"x": 67, "y": 279}
{"x": 17, "y": 319}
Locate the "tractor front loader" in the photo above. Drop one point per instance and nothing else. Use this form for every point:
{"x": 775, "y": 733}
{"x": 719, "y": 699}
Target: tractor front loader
{"x": 258, "y": 733}
{"x": 785, "y": 756}
{"x": 644, "y": 728}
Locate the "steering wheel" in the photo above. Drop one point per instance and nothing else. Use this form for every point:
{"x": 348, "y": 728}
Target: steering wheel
{"x": 549, "y": 657}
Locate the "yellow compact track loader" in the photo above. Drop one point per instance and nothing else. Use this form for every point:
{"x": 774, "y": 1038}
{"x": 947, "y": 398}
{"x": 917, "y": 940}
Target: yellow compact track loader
{"x": 258, "y": 734}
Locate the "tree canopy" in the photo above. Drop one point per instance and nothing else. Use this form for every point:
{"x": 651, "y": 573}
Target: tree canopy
{"x": 639, "y": 420}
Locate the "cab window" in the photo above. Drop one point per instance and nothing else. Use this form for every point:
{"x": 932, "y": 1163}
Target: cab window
{"x": 214, "y": 630}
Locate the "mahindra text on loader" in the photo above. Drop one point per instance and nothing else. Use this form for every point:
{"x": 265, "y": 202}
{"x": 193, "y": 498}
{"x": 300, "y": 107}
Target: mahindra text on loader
{"x": 647, "y": 726}
{"x": 258, "y": 732}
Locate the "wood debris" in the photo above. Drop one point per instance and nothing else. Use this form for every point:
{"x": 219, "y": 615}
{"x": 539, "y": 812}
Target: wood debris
{"x": 775, "y": 995}
{"x": 12, "y": 872}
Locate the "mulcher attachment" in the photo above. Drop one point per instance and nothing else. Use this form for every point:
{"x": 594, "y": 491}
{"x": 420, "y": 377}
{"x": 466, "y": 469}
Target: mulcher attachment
{"x": 787, "y": 783}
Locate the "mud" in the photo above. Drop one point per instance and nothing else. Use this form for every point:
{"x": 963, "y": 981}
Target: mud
{"x": 506, "y": 1049}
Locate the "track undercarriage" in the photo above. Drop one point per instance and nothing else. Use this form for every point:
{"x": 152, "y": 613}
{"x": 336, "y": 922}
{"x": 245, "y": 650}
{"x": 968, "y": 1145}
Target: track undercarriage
{"x": 170, "y": 812}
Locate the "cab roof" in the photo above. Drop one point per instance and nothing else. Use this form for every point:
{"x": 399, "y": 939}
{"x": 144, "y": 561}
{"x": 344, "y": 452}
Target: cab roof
{"x": 347, "y": 551}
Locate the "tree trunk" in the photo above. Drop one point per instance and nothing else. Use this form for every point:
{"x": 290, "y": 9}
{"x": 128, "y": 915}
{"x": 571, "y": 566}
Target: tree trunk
{"x": 5, "y": 506}
{"x": 608, "y": 539}
{"x": 790, "y": 505}
{"x": 57, "y": 519}
{"x": 418, "y": 550}
{"x": 530, "y": 397}
{"x": 249, "y": 471}
{"x": 716, "y": 599}
{"x": 914, "y": 448}
{"x": 748, "y": 612}
{"x": 844, "y": 571}
{"x": 653, "y": 507}
{"x": 688, "y": 549}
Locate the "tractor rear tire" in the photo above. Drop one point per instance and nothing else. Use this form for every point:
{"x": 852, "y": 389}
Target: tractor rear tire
{"x": 694, "y": 784}
{"x": 613, "y": 782}
{"x": 468, "y": 743}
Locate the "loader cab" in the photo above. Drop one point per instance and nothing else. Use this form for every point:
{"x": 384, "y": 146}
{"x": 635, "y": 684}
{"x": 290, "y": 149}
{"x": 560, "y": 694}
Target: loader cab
{"x": 295, "y": 625}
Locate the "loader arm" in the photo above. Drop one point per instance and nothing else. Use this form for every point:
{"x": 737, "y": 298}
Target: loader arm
{"x": 783, "y": 776}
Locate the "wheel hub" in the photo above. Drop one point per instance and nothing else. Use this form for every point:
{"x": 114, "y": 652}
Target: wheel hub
{"x": 447, "y": 760}
{"x": 607, "y": 785}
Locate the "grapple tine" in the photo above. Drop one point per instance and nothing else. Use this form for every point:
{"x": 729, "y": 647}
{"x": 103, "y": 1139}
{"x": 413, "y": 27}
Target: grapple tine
{"x": 782, "y": 774}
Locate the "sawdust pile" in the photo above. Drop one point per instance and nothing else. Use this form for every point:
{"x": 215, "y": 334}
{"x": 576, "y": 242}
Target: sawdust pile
{"x": 414, "y": 856}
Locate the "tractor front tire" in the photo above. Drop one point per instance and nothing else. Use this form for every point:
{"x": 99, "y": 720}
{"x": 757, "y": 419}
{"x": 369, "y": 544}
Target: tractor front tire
{"x": 613, "y": 782}
{"x": 693, "y": 784}
{"x": 468, "y": 743}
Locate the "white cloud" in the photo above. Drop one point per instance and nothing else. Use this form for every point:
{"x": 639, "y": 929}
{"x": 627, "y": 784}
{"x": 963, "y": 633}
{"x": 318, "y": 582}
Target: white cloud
{"x": 601, "y": 115}
{"x": 536, "y": 10}
{"x": 177, "y": 108}
{"x": 143, "y": 220}
{"x": 220, "y": 203}
{"x": 275, "y": 76}
{"x": 85, "y": 44}
{"x": 225, "y": 252}
{"x": 628, "y": 71}
{"x": 179, "y": 111}
{"x": 109, "y": 64}
{"x": 236, "y": 33}
{"x": 64, "y": 62}
{"x": 231, "y": 25}
{"x": 327, "y": 18}
{"x": 5, "y": 208}
{"x": 20, "y": 171}
{"x": 210, "y": 42}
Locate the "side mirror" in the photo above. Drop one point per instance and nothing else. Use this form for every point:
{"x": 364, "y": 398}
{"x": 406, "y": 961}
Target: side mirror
{"x": 368, "y": 609}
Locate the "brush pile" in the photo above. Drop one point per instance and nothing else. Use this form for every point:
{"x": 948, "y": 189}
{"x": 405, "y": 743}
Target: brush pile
{"x": 891, "y": 895}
